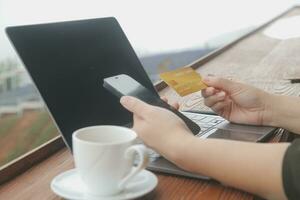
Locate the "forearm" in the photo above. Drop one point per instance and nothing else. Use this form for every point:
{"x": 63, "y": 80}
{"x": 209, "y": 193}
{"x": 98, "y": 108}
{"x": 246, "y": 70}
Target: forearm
{"x": 285, "y": 112}
{"x": 255, "y": 168}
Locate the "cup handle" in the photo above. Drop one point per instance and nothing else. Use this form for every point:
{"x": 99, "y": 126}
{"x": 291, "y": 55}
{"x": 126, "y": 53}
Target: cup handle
{"x": 141, "y": 150}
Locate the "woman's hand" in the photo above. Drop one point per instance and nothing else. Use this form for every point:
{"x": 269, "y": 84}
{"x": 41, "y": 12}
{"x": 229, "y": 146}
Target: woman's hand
{"x": 174, "y": 105}
{"x": 159, "y": 128}
{"x": 223, "y": 160}
{"x": 237, "y": 102}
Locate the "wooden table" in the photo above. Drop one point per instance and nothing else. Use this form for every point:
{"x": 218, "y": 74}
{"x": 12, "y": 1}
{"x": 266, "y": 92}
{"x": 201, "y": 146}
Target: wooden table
{"x": 35, "y": 183}
{"x": 255, "y": 59}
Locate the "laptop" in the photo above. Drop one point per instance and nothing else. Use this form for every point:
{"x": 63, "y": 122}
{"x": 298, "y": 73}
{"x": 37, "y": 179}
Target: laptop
{"x": 67, "y": 62}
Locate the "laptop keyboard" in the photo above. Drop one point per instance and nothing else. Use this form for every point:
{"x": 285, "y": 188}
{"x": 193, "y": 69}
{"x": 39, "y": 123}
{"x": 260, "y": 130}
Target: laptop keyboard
{"x": 205, "y": 121}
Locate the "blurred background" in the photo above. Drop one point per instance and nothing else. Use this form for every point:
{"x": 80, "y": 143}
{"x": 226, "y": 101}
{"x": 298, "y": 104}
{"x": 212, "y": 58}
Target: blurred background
{"x": 165, "y": 35}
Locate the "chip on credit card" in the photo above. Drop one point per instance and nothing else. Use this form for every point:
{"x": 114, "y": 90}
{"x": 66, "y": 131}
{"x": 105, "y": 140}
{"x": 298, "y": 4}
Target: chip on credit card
{"x": 184, "y": 80}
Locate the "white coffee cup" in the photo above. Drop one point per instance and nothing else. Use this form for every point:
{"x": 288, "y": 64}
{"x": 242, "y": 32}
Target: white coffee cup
{"x": 104, "y": 158}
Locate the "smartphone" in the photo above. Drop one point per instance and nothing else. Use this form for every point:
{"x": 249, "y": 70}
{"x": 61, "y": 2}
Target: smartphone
{"x": 124, "y": 85}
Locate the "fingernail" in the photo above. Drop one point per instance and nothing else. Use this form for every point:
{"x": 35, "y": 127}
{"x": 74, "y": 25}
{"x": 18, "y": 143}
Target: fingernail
{"x": 206, "y": 79}
{"x": 126, "y": 100}
{"x": 221, "y": 94}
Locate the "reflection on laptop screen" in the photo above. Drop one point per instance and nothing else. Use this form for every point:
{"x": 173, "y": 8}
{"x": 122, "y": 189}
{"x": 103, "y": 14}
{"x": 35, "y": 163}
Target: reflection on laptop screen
{"x": 68, "y": 61}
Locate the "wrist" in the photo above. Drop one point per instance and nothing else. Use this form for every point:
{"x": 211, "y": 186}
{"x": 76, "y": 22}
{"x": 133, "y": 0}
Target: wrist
{"x": 269, "y": 114}
{"x": 178, "y": 145}
{"x": 281, "y": 109}
{"x": 286, "y": 112}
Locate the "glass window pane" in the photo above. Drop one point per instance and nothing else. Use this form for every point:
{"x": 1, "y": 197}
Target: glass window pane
{"x": 165, "y": 35}
{"x": 24, "y": 122}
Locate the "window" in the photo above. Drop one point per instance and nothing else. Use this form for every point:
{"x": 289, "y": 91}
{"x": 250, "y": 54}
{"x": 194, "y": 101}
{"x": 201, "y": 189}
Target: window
{"x": 165, "y": 34}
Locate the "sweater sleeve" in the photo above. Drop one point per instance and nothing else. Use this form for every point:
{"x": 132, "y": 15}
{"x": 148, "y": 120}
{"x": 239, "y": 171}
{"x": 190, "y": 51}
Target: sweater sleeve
{"x": 291, "y": 171}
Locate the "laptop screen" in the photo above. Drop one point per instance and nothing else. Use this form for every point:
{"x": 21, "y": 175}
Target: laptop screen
{"x": 68, "y": 62}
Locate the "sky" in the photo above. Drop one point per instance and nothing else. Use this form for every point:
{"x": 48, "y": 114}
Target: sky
{"x": 152, "y": 27}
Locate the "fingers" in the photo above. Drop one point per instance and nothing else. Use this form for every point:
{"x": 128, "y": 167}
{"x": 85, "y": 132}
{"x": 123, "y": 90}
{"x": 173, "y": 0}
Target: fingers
{"x": 220, "y": 105}
{"x": 136, "y": 106}
{"x": 213, "y": 99}
{"x": 174, "y": 105}
{"x": 164, "y": 99}
{"x": 208, "y": 92}
{"x": 221, "y": 83}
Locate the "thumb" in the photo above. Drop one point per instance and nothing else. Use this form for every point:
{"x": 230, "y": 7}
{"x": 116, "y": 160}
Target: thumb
{"x": 135, "y": 105}
{"x": 222, "y": 83}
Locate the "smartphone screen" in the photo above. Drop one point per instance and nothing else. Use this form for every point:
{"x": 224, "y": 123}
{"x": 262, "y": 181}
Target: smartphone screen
{"x": 124, "y": 85}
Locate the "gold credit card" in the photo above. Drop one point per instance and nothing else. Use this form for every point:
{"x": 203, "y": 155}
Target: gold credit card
{"x": 184, "y": 80}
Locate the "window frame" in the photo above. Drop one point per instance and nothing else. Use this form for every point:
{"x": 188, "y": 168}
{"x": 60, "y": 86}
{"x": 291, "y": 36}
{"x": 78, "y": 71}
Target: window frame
{"x": 35, "y": 156}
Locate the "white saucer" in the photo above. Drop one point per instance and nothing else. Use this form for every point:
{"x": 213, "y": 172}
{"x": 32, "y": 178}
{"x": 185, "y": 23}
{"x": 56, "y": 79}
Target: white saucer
{"x": 69, "y": 185}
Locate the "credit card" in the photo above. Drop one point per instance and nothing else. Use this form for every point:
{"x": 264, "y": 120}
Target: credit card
{"x": 184, "y": 80}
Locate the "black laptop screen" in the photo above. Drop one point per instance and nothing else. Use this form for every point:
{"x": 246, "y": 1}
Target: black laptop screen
{"x": 68, "y": 61}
